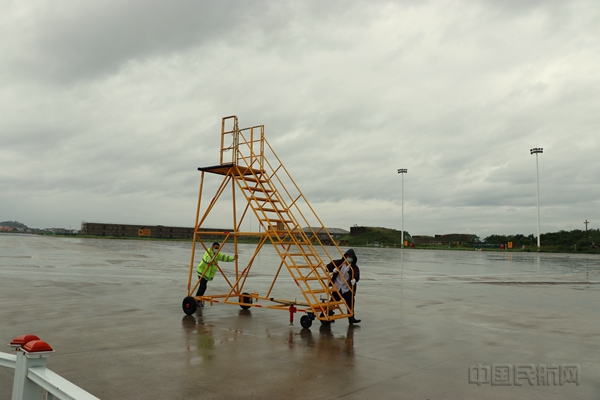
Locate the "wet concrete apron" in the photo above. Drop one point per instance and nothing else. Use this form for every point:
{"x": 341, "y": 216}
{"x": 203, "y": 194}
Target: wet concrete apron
{"x": 112, "y": 311}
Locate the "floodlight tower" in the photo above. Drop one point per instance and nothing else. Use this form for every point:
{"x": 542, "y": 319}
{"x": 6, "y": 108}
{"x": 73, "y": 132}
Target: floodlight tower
{"x": 402, "y": 171}
{"x": 536, "y": 151}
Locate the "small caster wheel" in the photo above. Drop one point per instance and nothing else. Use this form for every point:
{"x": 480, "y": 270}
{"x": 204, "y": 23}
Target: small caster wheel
{"x": 306, "y": 321}
{"x": 246, "y": 299}
{"x": 189, "y": 305}
{"x": 323, "y": 322}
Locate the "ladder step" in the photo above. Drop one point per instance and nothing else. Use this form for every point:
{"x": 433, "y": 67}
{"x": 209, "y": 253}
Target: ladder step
{"x": 315, "y": 278}
{"x": 331, "y": 303}
{"x": 300, "y": 255}
{"x": 283, "y": 221}
{"x": 256, "y": 180}
{"x": 295, "y": 252}
{"x": 259, "y": 189}
{"x": 273, "y": 210}
{"x": 316, "y": 291}
{"x": 264, "y": 199}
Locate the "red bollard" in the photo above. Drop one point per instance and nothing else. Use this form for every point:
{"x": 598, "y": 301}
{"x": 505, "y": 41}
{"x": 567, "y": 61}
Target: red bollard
{"x": 22, "y": 340}
{"x": 292, "y": 312}
{"x": 37, "y": 346}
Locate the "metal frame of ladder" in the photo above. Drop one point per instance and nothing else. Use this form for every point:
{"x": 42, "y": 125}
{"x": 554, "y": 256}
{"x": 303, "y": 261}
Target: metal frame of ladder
{"x": 250, "y": 166}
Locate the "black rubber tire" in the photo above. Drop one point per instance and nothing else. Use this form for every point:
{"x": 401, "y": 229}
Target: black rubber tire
{"x": 246, "y": 299}
{"x": 323, "y": 322}
{"x": 189, "y": 305}
{"x": 306, "y": 321}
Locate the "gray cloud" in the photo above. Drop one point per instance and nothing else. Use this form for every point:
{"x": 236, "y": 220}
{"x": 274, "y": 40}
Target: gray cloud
{"x": 74, "y": 40}
{"x": 109, "y": 108}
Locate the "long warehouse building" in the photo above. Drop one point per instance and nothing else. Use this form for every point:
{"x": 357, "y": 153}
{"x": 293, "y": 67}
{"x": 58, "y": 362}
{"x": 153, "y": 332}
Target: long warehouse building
{"x": 153, "y": 231}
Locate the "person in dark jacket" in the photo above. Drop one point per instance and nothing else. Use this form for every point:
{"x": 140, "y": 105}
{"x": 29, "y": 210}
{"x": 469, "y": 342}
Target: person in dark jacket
{"x": 345, "y": 276}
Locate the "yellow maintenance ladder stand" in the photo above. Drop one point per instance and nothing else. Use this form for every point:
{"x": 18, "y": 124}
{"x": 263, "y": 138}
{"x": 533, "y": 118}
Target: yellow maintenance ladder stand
{"x": 250, "y": 166}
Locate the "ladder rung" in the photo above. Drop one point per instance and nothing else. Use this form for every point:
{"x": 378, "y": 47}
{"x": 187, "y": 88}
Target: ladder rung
{"x": 273, "y": 210}
{"x": 264, "y": 199}
{"x": 253, "y": 179}
{"x": 331, "y": 303}
{"x": 316, "y": 291}
{"x": 259, "y": 189}
{"x": 276, "y": 220}
{"x": 302, "y": 266}
{"x": 315, "y": 278}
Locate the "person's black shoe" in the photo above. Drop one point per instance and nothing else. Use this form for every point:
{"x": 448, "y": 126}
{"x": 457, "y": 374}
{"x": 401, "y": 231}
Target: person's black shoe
{"x": 353, "y": 320}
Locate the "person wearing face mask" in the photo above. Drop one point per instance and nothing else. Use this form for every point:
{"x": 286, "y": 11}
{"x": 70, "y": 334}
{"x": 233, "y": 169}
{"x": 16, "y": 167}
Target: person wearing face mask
{"x": 346, "y": 272}
{"x": 208, "y": 267}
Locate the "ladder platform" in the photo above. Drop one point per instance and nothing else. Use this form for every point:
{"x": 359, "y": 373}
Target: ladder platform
{"x": 224, "y": 169}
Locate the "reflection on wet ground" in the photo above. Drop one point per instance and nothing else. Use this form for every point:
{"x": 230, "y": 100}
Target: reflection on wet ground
{"x": 112, "y": 311}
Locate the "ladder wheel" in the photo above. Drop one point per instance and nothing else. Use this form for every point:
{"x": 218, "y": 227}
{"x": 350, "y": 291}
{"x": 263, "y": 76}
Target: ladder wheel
{"x": 245, "y": 299}
{"x": 323, "y": 322}
{"x": 189, "y": 305}
{"x": 306, "y": 321}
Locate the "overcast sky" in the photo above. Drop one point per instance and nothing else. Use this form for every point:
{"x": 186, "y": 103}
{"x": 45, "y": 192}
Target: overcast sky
{"x": 107, "y": 109}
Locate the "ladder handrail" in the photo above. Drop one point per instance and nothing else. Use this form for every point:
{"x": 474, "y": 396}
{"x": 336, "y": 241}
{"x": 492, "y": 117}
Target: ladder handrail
{"x": 295, "y": 234}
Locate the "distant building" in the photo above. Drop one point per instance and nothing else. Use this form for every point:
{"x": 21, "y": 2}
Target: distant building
{"x": 424, "y": 239}
{"x": 452, "y": 238}
{"x": 335, "y": 233}
{"x": 6, "y": 228}
{"x": 457, "y": 238}
{"x": 153, "y": 231}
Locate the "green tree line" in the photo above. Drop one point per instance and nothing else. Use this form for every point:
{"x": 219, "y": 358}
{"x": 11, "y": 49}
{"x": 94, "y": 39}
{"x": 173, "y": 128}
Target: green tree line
{"x": 576, "y": 237}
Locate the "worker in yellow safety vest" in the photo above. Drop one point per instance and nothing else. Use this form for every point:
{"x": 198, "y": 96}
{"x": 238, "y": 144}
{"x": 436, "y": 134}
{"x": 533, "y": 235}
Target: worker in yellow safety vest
{"x": 208, "y": 267}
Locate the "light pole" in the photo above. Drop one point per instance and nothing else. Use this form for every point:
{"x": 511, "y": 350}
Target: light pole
{"x": 402, "y": 171}
{"x": 536, "y": 151}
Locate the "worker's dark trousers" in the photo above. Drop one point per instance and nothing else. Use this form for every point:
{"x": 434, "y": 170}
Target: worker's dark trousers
{"x": 202, "y": 287}
{"x": 347, "y": 297}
